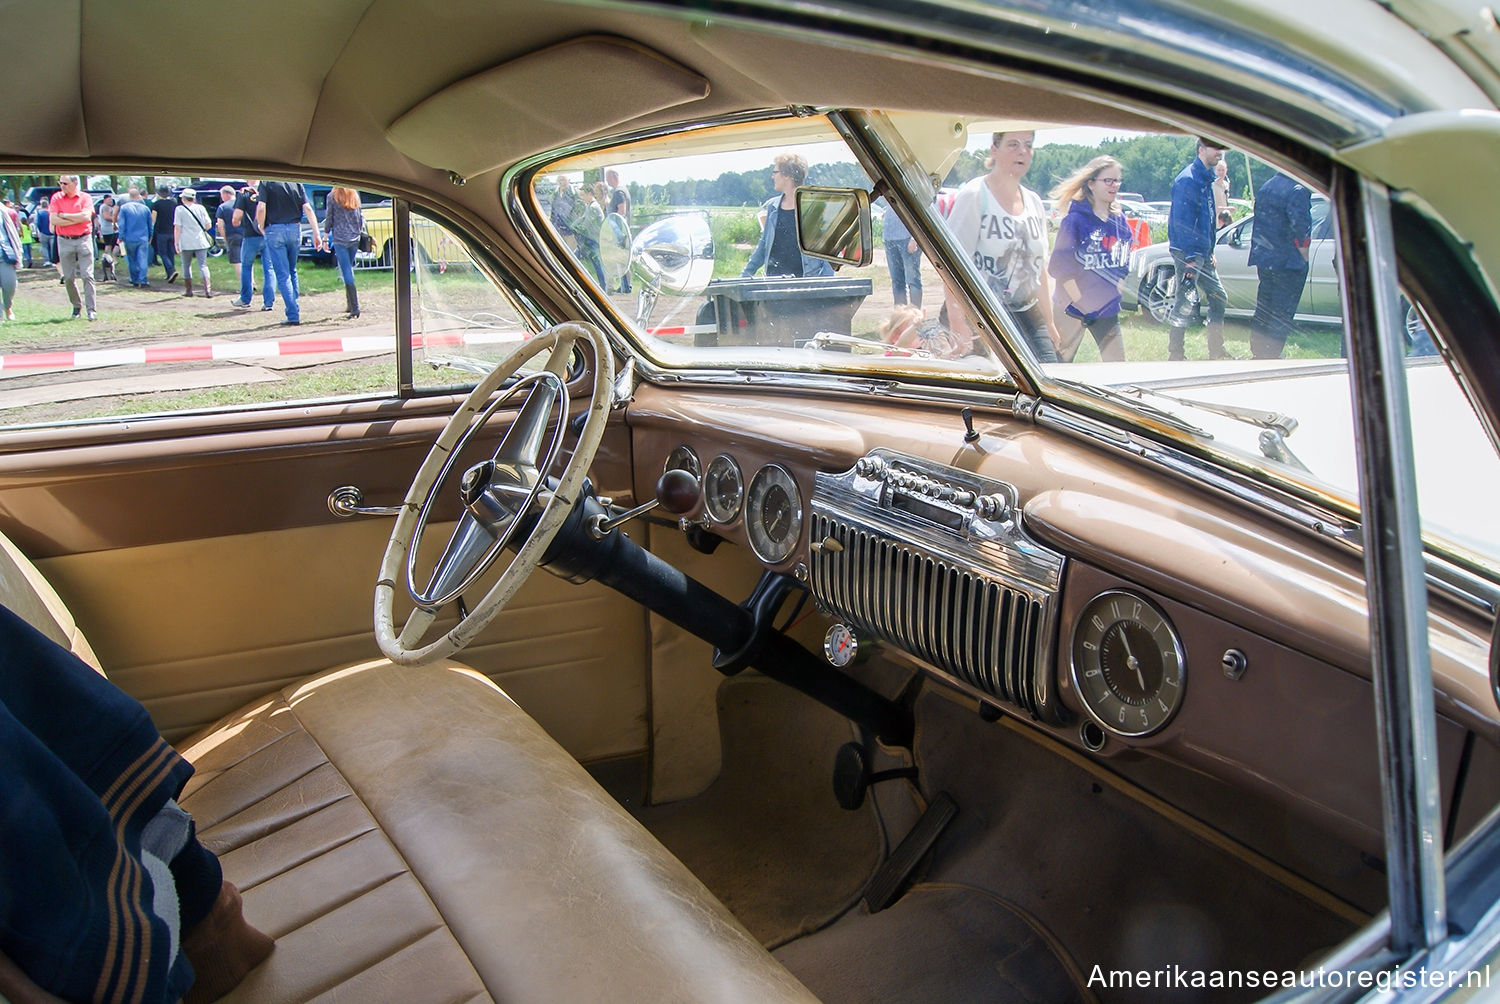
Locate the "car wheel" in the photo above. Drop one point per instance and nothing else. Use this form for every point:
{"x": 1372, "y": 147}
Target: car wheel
{"x": 1157, "y": 292}
{"x": 388, "y": 255}
{"x": 1418, "y": 339}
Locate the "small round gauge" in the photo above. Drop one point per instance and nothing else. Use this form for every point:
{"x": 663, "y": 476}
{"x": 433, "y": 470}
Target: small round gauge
{"x": 840, "y": 645}
{"x": 773, "y": 514}
{"x": 1128, "y": 663}
{"x": 682, "y": 458}
{"x": 723, "y": 488}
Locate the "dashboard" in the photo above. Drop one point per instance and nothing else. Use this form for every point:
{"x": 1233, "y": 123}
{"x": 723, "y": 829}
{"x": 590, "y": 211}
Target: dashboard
{"x": 1123, "y": 613}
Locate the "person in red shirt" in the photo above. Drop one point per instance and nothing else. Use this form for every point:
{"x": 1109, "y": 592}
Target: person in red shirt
{"x": 72, "y": 221}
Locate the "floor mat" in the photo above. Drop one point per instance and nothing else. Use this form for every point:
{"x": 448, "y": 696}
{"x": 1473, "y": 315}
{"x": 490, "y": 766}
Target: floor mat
{"x": 767, "y": 836}
{"x": 1121, "y": 886}
{"x": 937, "y": 943}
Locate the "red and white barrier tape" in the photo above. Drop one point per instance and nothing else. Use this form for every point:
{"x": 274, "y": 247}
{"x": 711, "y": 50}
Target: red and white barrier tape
{"x": 144, "y": 354}
{"x": 139, "y": 355}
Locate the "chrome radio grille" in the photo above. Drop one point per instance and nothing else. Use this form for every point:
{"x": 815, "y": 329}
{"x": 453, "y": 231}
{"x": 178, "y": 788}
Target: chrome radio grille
{"x": 933, "y": 560}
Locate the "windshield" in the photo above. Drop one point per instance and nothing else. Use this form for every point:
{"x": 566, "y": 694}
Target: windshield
{"x": 693, "y": 240}
{"x": 1210, "y": 307}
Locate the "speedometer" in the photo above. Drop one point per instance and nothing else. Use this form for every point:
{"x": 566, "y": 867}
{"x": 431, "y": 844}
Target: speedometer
{"x": 723, "y": 489}
{"x": 773, "y": 514}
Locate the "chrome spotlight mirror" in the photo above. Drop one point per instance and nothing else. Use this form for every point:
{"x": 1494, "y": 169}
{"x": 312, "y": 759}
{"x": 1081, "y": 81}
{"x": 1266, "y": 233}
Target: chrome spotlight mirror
{"x": 674, "y": 256}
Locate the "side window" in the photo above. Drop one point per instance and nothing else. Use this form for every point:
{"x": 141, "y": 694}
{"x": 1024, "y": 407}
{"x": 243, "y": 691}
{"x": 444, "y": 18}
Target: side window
{"x": 462, "y": 324}
{"x": 153, "y": 349}
{"x": 1238, "y": 236}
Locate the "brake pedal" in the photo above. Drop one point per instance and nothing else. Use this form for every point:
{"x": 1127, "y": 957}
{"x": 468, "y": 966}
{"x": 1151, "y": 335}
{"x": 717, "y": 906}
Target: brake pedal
{"x": 852, "y": 776}
{"x": 893, "y": 876}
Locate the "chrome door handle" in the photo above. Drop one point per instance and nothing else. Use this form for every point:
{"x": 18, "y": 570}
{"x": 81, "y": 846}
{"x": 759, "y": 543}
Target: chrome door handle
{"x": 346, "y": 501}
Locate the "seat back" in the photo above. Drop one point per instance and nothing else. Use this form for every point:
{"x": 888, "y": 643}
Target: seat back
{"x": 31, "y": 597}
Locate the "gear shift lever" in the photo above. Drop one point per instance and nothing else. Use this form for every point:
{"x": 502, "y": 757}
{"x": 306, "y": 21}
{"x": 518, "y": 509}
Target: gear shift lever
{"x": 677, "y": 492}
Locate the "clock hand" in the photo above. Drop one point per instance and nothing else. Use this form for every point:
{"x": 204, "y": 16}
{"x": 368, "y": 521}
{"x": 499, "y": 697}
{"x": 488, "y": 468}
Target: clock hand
{"x": 1132, "y": 661}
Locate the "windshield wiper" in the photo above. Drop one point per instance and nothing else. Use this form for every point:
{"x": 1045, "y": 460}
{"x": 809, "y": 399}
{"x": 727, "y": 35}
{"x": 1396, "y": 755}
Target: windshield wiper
{"x": 1275, "y": 426}
{"x": 1138, "y": 405}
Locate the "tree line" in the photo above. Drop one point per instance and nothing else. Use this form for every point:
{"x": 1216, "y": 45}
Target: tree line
{"x": 1150, "y": 162}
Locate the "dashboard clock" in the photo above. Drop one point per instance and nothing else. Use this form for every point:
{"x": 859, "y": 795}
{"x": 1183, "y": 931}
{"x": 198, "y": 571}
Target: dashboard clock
{"x": 1128, "y": 663}
{"x": 773, "y": 514}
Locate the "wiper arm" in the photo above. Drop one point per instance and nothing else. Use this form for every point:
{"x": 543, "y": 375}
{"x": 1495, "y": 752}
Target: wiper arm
{"x": 1276, "y": 426}
{"x": 1137, "y": 404}
{"x": 1274, "y": 420}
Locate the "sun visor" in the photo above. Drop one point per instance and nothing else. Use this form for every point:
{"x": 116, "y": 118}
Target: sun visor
{"x": 541, "y": 100}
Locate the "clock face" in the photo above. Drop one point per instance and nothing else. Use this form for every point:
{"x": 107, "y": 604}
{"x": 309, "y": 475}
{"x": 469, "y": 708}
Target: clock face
{"x": 1128, "y": 663}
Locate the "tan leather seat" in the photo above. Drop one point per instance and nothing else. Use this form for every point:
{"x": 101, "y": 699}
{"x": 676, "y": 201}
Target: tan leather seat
{"x": 411, "y": 834}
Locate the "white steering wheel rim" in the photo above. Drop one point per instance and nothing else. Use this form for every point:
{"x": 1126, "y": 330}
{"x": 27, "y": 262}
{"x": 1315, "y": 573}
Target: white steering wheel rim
{"x": 559, "y": 340}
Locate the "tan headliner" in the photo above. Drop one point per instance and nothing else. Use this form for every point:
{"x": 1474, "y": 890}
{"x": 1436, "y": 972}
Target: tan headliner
{"x": 158, "y": 88}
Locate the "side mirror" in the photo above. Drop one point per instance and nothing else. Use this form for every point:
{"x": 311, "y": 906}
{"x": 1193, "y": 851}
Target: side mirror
{"x": 834, "y": 224}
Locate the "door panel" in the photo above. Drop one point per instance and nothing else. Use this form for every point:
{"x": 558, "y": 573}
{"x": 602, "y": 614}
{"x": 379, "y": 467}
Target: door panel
{"x": 206, "y": 571}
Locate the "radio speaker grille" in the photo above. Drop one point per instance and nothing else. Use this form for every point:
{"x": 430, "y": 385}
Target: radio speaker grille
{"x": 964, "y": 623}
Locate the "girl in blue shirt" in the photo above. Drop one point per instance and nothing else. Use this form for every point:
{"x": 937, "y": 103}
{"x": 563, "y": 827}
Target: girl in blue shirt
{"x": 1090, "y": 259}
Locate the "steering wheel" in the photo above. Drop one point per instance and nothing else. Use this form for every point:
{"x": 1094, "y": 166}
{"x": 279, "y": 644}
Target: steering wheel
{"x": 497, "y": 494}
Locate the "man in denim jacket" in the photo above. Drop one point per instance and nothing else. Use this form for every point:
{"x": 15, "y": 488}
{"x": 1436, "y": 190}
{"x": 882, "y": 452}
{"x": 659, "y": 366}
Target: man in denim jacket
{"x": 1191, "y": 232}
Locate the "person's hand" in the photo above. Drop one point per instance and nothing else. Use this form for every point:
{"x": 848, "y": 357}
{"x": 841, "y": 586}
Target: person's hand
{"x": 1054, "y": 334}
{"x": 911, "y": 246}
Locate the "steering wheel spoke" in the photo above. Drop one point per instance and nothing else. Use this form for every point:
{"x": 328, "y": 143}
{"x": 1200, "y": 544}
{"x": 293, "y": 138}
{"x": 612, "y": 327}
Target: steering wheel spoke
{"x": 416, "y": 626}
{"x": 463, "y": 560}
{"x": 524, "y": 442}
{"x": 515, "y": 489}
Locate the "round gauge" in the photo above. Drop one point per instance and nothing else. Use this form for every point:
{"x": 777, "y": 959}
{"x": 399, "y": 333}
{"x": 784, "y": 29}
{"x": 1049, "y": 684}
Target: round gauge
{"x": 773, "y": 514}
{"x": 840, "y": 645}
{"x": 1128, "y": 663}
{"x": 723, "y": 489}
{"x": 682, "y": 458}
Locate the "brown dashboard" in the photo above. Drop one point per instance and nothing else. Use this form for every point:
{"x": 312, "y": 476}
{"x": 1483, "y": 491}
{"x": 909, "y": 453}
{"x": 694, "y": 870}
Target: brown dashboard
{"x": 1177, "y": 624}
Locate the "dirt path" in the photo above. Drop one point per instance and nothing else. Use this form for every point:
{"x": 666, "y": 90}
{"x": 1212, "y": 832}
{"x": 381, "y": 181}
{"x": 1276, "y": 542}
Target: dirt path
{"x": 129, "y": 316}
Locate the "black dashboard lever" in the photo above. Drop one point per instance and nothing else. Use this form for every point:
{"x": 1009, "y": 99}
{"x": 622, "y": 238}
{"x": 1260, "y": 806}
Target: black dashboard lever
{"x": 970, "y": 436}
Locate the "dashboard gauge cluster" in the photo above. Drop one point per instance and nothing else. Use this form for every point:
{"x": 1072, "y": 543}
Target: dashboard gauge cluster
{"x": 770, "y": 504}
{"x": 773, "y": 514}
{"x": 1128, "y": 663}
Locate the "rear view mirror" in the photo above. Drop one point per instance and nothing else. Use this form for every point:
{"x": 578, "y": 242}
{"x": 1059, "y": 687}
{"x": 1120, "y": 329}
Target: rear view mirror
{"x": 834, "y": 224}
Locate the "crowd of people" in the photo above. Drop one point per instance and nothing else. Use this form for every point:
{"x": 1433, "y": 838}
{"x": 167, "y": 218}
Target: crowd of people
{"x": 260, "y": 220}
{"x": 587, "y": 216}
{"x": 1058, "y": 293}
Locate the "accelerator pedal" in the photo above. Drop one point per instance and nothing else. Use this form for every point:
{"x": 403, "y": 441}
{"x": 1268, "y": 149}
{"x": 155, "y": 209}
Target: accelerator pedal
{"x": 891, "y": 879}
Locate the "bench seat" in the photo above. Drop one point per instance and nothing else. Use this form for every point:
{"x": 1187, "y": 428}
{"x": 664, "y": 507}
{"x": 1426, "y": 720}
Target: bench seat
{"x": 411, "y": 834}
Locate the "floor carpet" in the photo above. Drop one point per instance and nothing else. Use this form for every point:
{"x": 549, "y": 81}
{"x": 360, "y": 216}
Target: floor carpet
{"x": 767, "y": 836}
